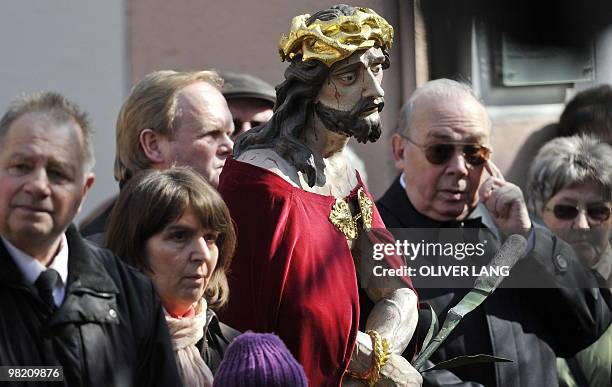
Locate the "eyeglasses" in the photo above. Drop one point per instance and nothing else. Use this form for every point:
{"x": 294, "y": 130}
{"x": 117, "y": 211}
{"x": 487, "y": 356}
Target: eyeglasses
{"x": 441, "y": 152}
{"x": 596, "y": 212}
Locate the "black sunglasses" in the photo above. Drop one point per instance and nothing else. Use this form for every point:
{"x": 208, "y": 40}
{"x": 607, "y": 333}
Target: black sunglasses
{"x": 441, "y": 152}
{"x": 596, "y": 212}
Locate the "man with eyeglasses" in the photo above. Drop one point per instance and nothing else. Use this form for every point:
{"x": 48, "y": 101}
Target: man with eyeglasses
{"x": 448, "y": 182}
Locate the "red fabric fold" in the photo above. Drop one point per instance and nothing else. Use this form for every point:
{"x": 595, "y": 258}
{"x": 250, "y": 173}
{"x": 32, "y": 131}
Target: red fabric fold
{"x": 293, "y": 273}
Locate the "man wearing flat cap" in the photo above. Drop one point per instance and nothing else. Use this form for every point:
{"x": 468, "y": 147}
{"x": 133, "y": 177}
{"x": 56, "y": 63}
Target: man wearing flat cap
{"x": 308, "y": 224}
{"x": 250, "y": 100}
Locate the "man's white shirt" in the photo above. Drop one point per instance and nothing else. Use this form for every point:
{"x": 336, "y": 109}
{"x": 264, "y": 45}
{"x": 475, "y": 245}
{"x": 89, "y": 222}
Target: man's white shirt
{"x": 31, "y": 268}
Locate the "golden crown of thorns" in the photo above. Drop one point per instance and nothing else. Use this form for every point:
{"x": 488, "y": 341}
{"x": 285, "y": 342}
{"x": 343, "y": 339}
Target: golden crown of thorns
{"x": 334, "y": 40}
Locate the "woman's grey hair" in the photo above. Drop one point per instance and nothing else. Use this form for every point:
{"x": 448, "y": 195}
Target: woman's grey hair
{"x": 442, "y": 88}
{"x": 567, "y": 161}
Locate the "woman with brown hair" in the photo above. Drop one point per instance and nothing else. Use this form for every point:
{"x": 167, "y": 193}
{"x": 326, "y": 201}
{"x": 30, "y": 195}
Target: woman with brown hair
{"x": 175, "y": 227}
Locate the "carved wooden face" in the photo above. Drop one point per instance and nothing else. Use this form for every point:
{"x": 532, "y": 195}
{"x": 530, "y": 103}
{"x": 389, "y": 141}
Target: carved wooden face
{"x": 357, "y": 77}
{"x": 351, "y": 97}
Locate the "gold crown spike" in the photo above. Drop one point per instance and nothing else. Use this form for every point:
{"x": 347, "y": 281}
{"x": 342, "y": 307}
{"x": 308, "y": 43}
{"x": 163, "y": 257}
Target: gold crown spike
{"x": 336, "y": 39}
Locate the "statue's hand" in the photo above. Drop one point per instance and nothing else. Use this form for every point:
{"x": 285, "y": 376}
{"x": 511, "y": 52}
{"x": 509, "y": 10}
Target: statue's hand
{"x": 399, "y": 372}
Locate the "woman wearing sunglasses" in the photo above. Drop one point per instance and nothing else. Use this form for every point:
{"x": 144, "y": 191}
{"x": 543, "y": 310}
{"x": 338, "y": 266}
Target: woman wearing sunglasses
{"x": 570, "y": 189}
{"x": 174, "y": 227}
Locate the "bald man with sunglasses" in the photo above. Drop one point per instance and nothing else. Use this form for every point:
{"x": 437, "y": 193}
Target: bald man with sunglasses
{"x": 448, "y": 182}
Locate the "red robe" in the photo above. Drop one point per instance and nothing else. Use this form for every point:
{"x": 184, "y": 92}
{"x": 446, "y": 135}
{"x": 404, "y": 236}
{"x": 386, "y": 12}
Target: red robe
{"x": 293, "y": 273}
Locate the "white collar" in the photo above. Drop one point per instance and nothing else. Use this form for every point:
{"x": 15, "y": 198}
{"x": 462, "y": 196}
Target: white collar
{"x": 31, "y": 268}
{"x": 479, "y": 211}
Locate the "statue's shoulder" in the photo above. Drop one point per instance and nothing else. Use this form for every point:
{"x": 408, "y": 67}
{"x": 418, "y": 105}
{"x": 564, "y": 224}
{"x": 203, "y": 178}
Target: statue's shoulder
{"x": 268, "y": 159}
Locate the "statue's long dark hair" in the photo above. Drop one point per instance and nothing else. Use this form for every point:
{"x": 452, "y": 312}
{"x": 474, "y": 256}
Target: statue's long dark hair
{"x": 294, "y": 104}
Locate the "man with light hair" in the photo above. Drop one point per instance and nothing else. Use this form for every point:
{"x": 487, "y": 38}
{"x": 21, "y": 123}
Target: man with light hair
{"x": 171, "y": 118}
{"x": 449, "y": 185}
{"x": 63, "y": 302}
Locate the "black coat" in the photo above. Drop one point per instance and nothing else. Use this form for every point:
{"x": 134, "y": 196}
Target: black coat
{"x": 95, "y": 229}
{"x": 218, "y": 337}
{"x": 529, "y": 326}
{"x": 109, "y": 331}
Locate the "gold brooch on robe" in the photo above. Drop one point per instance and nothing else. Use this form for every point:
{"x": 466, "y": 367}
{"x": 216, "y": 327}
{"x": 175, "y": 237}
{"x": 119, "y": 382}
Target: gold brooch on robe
{"x": 345, "y": 222}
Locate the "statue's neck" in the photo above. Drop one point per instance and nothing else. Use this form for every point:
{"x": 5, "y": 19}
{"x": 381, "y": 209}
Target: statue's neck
{"x": 323, "y": 142}
{"x": 329, "y": 146}
{"x": 330, "y": 160}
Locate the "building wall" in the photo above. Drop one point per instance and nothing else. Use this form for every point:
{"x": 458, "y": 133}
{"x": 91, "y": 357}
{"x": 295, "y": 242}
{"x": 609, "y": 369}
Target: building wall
{"x": 514, "y": 124}
{"x": 76, "y": 47}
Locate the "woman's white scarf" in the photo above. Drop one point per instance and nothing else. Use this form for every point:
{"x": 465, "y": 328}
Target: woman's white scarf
{"x": 185, "y": 333}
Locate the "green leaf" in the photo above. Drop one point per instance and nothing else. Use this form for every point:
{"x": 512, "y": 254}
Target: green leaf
{"x": 467, "y": 360}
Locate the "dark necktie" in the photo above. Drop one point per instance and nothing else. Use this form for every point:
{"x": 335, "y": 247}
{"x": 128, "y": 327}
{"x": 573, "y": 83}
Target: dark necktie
{"x": 45, "y": 283}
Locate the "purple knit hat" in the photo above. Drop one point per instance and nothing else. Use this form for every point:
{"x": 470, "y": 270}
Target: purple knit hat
{"x": 259, "y": 360}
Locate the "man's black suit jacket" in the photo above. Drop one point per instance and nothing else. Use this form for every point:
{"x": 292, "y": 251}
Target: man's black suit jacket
{"x": 529, "y": 326}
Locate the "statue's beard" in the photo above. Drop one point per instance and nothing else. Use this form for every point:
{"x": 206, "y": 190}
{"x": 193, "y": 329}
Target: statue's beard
{"x": 353, "y": 123}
